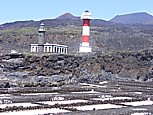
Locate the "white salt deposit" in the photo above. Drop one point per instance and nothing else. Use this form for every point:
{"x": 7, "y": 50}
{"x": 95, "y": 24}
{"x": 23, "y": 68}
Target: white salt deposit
{"x": 62, "y": 102}
{"x": 86, "y": 92}
{"x": 141, "y": 113}
{"x": 104, "y": 82}
{"x": 92, "y": 91}
{"x": 138, "y": 93}
{"x": 139, "y": 103}
{"x": 39, "y": 94}
{"x": 35, "y": 112}
{"x": 100, "y": 106}
{"x": 5, "y": 95}
{"x": 92, "y": 85}
{"x": 44, "y": 102}
{"x": 111, "y": 98}
{"x": 139, "y": 109}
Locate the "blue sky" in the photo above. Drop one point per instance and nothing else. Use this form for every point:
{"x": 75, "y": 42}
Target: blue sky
{"x": 20, "y": 10}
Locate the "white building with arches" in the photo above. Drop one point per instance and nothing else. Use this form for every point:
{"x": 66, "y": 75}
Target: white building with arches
{"x": 50, "y": 48}
{"x": 47, "y": 47}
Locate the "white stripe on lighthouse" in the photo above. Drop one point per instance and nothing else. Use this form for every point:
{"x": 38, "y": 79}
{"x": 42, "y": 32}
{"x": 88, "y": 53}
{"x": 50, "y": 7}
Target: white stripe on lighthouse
{"x": 86, "y": 44}
{"x": 86, "y": 31}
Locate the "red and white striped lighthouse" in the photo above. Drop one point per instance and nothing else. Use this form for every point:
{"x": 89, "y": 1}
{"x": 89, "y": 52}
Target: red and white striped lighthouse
{"x": 84, "y": 47}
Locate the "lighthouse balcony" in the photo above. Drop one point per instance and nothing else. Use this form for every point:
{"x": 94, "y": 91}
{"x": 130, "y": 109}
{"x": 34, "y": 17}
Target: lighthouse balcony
{"x": 86, "y": 15}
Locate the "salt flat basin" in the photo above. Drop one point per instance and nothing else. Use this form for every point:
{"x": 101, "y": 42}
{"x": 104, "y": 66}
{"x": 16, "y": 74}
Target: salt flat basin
{"x": 62, "y": 102}
{"x": 104, "y": 82}
{"x": 17, "y": 104}
{"x": 142, "y": 113}
{"x": 138, "y": 93}
{"x": 139, "y": 103}
{"x": 5, "y": 96}
{"x": 35, "y": 112}
{"x": 99, "y": 106}
{"x": 84, "y": 92}
{"x": 44, "y": 102}
{"x": 139, "y": 109}
{"x": 93, "y": 85}
{"x": 40, "y": 94}
{"x": 111, "y": 98}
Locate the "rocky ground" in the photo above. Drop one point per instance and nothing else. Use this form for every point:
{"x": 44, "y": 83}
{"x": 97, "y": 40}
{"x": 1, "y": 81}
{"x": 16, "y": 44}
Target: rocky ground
{"x": 102, "y": 38}
{"x": 33, "y": 78}
{"x": 59, "y": 69}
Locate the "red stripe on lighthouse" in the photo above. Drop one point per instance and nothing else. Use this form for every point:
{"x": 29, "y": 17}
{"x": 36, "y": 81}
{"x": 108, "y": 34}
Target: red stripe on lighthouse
{"x": 85, "y": 38}
{"x": 86, "y": 32}
{"x": 86, "y": 29}
{"x": 86, "y": 22}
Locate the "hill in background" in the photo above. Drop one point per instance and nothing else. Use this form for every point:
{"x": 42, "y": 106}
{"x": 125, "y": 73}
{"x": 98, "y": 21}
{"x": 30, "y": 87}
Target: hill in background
{"x": 68, "y": 16}
{"x": 63, "y": 20}
{"x": 134, "y": 18}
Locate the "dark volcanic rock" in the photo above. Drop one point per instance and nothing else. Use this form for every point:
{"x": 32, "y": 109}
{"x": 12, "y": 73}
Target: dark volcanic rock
{"x": 5, "y": 85}
{"x": 46, "y": 70}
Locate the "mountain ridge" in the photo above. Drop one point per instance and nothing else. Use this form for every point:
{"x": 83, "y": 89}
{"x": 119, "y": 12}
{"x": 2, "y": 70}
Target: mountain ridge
{"x": 68, "y": 16}
{"x": 133, "y": 18}
{"x": 58, "y": 21}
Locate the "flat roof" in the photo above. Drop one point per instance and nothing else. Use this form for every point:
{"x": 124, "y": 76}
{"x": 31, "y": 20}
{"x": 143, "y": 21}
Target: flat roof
{"x": 47, "y": 44}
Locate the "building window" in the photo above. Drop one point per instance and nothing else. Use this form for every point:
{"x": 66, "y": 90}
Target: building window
{"x": 62, "y": 50}
{"x": 55, "y": 49}
{"x": 58, "y": 49}
{"x": 46, "y": 49}
{"x": 49, "y": 49}
{"x": 36, "y": 49}
{"x": 33, "y": 49}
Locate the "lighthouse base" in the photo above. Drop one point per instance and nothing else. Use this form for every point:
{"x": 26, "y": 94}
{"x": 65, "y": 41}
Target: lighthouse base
{"x": 85, "y": 49}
